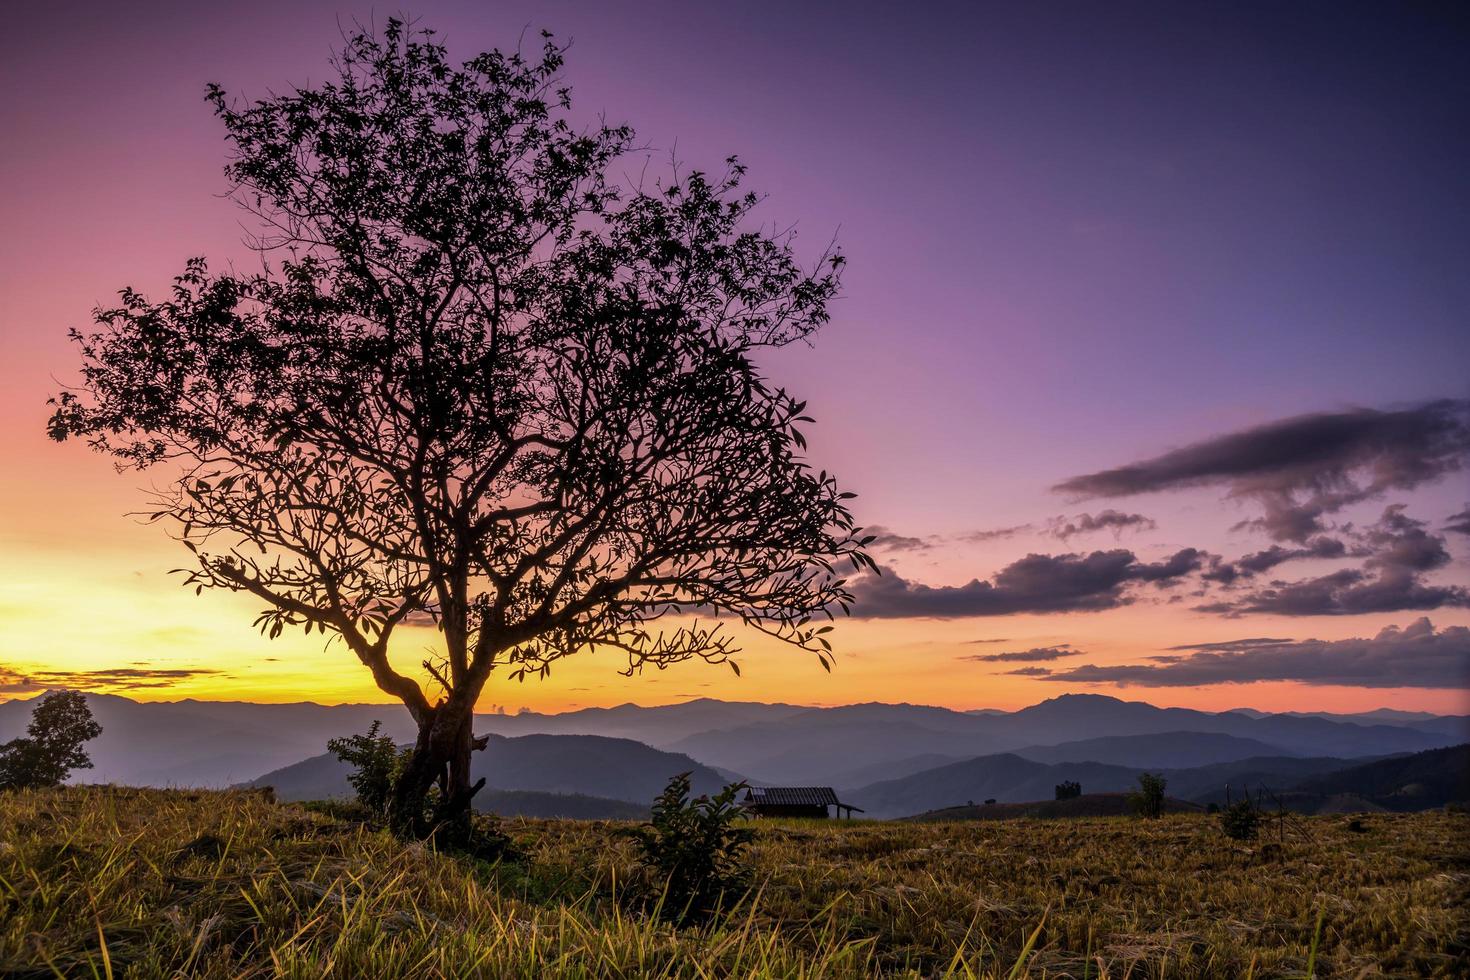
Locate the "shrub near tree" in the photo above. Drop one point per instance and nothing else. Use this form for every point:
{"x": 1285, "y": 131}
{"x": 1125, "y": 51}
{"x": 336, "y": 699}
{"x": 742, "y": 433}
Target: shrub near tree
{"x": 61, "y": 724}
{"x": 693, "y": 848}
{"x": 478, "y": 382}
{"x": 1069, "y": 790}
{"x": 375, "y": 761}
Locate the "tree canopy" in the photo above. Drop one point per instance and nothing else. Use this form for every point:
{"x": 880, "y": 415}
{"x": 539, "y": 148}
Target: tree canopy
{"x": 479, "y": 381}
{"x": 61, "y": 724}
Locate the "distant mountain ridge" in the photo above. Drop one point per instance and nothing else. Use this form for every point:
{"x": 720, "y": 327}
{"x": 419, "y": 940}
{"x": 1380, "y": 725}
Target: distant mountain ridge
{"x": 1413, "y": 782}
{"x": 580, "y": 765}
{"x": 213, "y": 744}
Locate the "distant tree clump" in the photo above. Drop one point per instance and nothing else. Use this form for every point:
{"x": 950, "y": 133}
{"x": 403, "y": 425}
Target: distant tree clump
{"x": 694, "y": 848}
{"x": 1148, "y": 799}
{"x": 481, "y": 383}
{"x": 1069, "y": 789}
{"x": 61, "y": 724}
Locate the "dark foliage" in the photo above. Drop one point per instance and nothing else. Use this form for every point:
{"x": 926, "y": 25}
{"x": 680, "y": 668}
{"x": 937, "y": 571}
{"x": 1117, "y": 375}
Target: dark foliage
{"x": 61, "y": 724}
{"x": 481, "y": 383}
{"x": 376, "y": 762}
{"x": 1148, "y": 799}
{"x": 1069, "y": 789}
{"x": 694, "y": 848}
{"x": 1241, "y": 820}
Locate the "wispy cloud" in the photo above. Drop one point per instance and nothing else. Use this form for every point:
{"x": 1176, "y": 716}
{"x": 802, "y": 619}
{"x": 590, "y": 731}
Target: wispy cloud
{"x": 1106, "y": 520}
{"x": 14, "y": 681}
{"x": 1414, "y": 656}
{"x": 1303, "y": 468}
{"x": 1399, "y": 551}
{"x": 1034, "y": 655}
{"x": 1036, "y": 583}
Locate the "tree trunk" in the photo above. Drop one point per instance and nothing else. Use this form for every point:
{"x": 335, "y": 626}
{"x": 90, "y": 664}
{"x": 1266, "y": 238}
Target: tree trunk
{"x": 441, "y": 755}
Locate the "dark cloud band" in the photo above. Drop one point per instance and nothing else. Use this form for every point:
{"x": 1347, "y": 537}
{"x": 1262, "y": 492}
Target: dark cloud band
{"x": 1036, "y": 583}
{"x": 1415, "y": 656}
{"x": 1303, "y": 468}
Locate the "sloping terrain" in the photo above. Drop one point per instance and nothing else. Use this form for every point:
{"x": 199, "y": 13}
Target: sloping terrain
{"x": 1086, "y": 805}
{"x": 1414, "y": 782}
{"x": 1168, "y": 750}
{"x": 1006, "y": 778}
{"x": 587, "y": 765}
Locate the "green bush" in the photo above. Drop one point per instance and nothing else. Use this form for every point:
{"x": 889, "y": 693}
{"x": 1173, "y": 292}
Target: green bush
{"x": 376, "y": 763}
{"x": 694, "y": 848}
{"x": 1241, "y": 820}
{"x": 1069, "y": 789}
{"x": 1148, "y": 799}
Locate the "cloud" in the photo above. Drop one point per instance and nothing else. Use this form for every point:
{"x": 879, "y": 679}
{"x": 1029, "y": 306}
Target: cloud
{"x": 1399, "y": 552}
{"x": 1036, "y": 583}
{"x": 1459, "y": 523}
{"x": 1033, "y": 655}
{"x": 1028, "y": 672}
{"x": 1254, "y": 641}
{"x": 1414, "y": 656}
{"x": 888, "y": 540}
{"x": 996, "y": 534}
{"x": 1302, "y": 468}
{"x": 1253, "y": 564}
{"x": 1113, "y": 520}
{"x": 14, "y": 681}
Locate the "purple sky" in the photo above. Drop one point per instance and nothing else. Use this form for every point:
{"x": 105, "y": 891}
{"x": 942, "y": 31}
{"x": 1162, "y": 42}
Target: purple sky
{"x": 1079, "y": 235}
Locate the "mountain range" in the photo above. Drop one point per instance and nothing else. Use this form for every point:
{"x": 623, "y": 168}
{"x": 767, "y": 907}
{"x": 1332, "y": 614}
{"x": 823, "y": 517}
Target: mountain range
{"x": 890, "y": 759}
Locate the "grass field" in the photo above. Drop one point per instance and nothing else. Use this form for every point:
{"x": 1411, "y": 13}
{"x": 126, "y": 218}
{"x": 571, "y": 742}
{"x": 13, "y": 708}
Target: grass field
{"x": 135, "y": 883}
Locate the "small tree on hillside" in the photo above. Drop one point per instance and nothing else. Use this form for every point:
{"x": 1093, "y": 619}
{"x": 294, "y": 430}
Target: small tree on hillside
{"x": 61, "y": 724}
{"x": 478, "y": 383}
{"x": 1148, "y": 799}
{"x": 1069, "y": 789}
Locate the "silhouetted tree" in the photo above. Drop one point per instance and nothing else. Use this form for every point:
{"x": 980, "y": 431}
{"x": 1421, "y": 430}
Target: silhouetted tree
{"x": 61, "y": 723}
{"x": 1148, "y": 799}
{"x": 477, "y": 384}
{"x": 1069, "y": 789}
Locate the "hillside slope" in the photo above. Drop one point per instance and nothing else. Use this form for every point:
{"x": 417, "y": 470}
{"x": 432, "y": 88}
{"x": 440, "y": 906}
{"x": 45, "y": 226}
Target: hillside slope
{"x": 1168, "y": 750}
{"x": 1414, "y": 782}
{"x": 1006, "y": 777}
{"x": 589, "y": 765}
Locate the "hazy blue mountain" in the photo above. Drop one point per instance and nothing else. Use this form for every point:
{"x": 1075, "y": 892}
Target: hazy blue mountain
{"x": 823, "y": 745}
{"x": 1077, "y": 716}
{"x": 1169, "y": 750}
{"x": 819, "y": 745}
{"x": 1207, "y": 784}
{"x": 1006, "y": 778}
{"x": 203, "y": 743}
{"x": 660, "y": 725}
{"x": 1412, "y": 782}
{"x": 876, "y": 771}
{"x": 588, "y": 765}
{"x": 206, "y": 743}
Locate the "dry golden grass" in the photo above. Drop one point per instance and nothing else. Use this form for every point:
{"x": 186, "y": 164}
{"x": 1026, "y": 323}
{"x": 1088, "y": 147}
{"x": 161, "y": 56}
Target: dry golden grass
{"x": 135, "y": 883}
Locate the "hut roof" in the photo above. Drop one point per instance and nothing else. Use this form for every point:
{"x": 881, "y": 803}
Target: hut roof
{"x": 792, "y": 796}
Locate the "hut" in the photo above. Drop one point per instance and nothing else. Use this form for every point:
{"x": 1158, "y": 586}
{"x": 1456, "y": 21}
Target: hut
{"x": 795, "y": 801}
